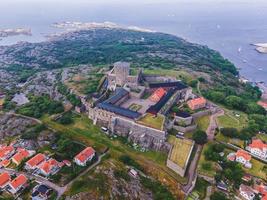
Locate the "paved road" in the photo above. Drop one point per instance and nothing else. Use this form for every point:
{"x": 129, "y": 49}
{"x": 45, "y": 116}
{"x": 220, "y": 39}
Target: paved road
{"x": 213, "y": 123}
{"x": 60, "y": 190}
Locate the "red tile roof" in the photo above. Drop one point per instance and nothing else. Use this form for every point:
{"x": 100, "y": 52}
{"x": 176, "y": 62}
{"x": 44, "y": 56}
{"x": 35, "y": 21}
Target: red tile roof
{"x": 244, "y": 154}
{"x": 47, "y": 166}
{"x": 85, "y": 154}
{"x": 4, "y": 179}
{"x": 36, "y": 160}
{"x": 20, "y": 155}
{"x": 257, "y": 143}
{"x": 4, "y": 163}
{"x": 263, "y": 104}
{"x": 18, "y": 181}
{"x": 4, "y": 151}
{"x": 196, "y": 102}
{"x": 157, "y": 95}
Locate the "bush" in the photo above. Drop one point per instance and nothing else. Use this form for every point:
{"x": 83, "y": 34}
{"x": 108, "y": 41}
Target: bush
{"x": 122, "y": 174}
{"x": 218, "y": 196}
{"x": 200, "y": 137}
{"x": 66, "y": 119}
{"x": 127, "y": 160}
{"x": 229, "y": 132}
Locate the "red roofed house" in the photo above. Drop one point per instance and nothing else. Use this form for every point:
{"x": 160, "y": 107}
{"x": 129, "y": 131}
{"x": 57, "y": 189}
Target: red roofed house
{"x": 20, "y": 156}
{"x": 83, "y": 157}
{"x": 157, "y": 95}
{"x": 17, "y": 183}
{"x": 244, "y": 158}
{"x": 258, "y": 148}
{"x": 197, "y": 103}
{"x": 49, "y": 167}
{"x": 4, "y": 180}
{"x": 6, "y": 152}
{"x": 263, "y": 104}
{"x": 4, "y": 163}
{"x": 262, "y": 189}
{"x": 35, "y": 161}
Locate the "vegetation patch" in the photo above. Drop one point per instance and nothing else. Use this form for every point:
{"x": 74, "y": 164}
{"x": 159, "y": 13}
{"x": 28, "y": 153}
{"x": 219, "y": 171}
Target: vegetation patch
{"x": 152, "y": 121}
{"x": 181, "y": 150}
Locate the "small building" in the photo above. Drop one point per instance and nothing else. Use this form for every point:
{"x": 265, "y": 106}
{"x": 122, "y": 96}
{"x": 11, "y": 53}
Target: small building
{"x": 157, "y": 94}
{"x": 133, "y": 173}
{"x": 5, "y": 163}
{"x": 6, "y": 152}
{"x": 49, "y": 167}
{"x": 246, "y": 192}
{"x": 182, "y": 117}
{"x": 258, "y": 148}
{"x": 222, "y": 186}
{"x": 35, "y": 161}
{"x": 18, "y": 183}
{"x": 4, "y": 180}
{"x": 263, "y": 104}
{"x": 83, "y": 157}
{"x": 197, "y": 103}
{"x": 20, "y": 156}
{"x": 41, "y": 192}
{"x": 244, "y": 158}
{"x": 247, "y": 178}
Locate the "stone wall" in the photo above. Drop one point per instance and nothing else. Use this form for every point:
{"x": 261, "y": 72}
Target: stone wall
{"x": 185, "y": 129}
{"x": 201, "y": 114}
{"x": 145, "y": 137}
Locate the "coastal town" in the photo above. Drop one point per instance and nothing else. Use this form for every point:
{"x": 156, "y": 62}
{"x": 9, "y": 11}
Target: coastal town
{"x": 152, "y": 113}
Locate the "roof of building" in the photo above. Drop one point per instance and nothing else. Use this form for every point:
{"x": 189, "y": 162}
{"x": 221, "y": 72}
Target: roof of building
{"x": 157, "y": 94}
{"x": 18, "y": 181}
{"x": 154, "y": 109}
{"x": 257, "y": 143}
{"x": 246, "y": 189}
{"x": 177, "y": 84}
{"x": 5, "y": 163}
{"x": 4, "y": 179}
{"x": 119, "y": 110}
{"x": 85, "y": 154}
{"x": 261, "y": 189}
{"x": 118, "y": 95}
{"x": 5, "y": 150}
{"x": 48, "y": 165}
{"x": 263, "y": 104}
{"x": 244, "y": 154}
{"x": 43, "y": 189}
{"x": 20, "y": 155}
{"x": 182, "y": 114}
{"x": 36, "y": 160}
{"x": 197, "y": 101}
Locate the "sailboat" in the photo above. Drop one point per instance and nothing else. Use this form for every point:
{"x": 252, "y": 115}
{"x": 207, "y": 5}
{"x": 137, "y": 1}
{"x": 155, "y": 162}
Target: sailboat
{"x": 239, "y": 49}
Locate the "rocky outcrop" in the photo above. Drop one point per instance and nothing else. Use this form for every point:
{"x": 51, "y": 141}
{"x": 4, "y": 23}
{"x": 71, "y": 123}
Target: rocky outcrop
{"x": 11, "y": 125}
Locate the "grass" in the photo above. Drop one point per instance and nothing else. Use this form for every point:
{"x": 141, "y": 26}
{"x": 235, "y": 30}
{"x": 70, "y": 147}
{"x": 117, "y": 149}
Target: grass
{"x": 181, "y": 150}
{"x": 262, "y": 137}
{"x": 135, "y": 107}
{"x": 153, "y": 162}
{"x": 203, "y": 122}
{"x": 235, "y": 141}
{"x": 2, "y": 100}
{"x": 230, "y": 119}
{"x": 202, "y": 161}
{"x": 257, "y": 169}
{"x": 201, "y": 188}
{"x": 181, "y": 74}
{"x": 152, "y": 121}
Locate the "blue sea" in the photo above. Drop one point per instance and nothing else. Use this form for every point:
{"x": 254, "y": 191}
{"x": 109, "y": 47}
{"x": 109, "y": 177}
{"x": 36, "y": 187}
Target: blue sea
{"x": 229, "y": 26}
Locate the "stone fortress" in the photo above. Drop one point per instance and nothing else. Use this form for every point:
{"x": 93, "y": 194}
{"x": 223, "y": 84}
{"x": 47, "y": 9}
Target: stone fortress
{"x": 124, "y": 103}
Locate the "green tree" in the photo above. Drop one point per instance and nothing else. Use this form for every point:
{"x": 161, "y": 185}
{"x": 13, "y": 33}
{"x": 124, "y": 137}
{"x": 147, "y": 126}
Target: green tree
{"x": 218, "y": 196}
{"x": 200, "y": 137}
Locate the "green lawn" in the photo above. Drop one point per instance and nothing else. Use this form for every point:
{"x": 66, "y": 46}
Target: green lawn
{"x": 203, "y": 122}
{"x": 202, "y": 161}
{"x": 263, "y": 137}
{"x": 233, "y": 119}
{"x": 257, "y": 169}
{"x": 152, "y": 121}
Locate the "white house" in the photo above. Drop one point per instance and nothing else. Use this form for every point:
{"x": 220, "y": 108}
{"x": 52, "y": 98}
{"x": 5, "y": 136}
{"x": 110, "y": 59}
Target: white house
{"x": 258, "y": 148}
{"x": 83, "y": 157}
{"x": 18, "y": 183}
{"x": 244, "y": 158}
{"x": 49, "y": 167}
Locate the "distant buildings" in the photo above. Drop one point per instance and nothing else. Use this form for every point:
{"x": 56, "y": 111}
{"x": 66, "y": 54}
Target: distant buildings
{"x": 258, "y": 148}
{"x": 197, "y": 103}
{"x": 84, "y": 156}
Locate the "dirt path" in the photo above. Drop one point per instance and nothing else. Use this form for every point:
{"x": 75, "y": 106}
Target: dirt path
{"x": 213, "y": 123}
